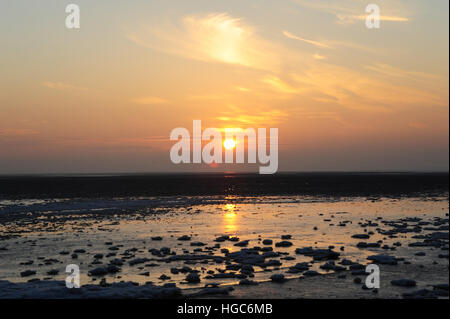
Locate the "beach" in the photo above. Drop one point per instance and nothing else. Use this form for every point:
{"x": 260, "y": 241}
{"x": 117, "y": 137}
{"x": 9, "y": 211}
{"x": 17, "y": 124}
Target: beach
{"x": 227, "y": 245}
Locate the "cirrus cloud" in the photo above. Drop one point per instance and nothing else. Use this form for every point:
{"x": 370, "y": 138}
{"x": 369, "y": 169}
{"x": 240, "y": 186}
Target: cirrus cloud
{"x": 351, "y": 11}
{"x": 214, "y": 37}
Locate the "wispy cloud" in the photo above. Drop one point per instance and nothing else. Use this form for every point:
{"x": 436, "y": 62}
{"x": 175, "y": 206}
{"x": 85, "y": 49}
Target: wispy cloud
{"x": 355, "y": 89}
{"x": 242, "y": 89}
{"x": 215, "y": 37}
{"x": 315, "y": 43}
{"x": 343, "y": 18}
{"x": 63, "y": 86}
{"x": 218, "y": 37}
{"x": 318, "y": 56}
{"x": 392, "y": 71}
{"x": 351, "y": 11}
{"x": 279, "y": 85}
{"x": 241, "y": 117}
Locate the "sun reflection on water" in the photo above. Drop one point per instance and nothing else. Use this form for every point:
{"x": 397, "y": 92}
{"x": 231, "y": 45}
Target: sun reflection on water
{"x": 229, "y": 218}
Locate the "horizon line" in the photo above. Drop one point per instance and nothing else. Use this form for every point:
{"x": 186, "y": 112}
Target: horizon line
{"x": 116, "y": 174}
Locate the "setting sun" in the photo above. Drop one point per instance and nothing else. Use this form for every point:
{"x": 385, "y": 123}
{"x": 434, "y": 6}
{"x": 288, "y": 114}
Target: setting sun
{"x": 229, "y": 144}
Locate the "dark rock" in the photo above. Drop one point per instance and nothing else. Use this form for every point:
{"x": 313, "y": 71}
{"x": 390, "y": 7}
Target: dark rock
{"x": 347, "y": 262}
{"x": 100, "y": 271}
{"x": 117, "y": 262}
{"x": 311, "y": 273}
{"x": 318, "y": 254}
{"x": 272, "y": 263}
{"x": 247, "y": 268}
{"x": 299, "y": 267}
{"x": 222, "y": 238}
{"x": 383, "y": 259}
{"x": 367, "y": 245}
{"x": 247, "y": 282}
{"x": 279, "y": 278}
{"x": 242, "y": 243}
{"x": 165, "y": 250}
{"x": 112, "y": 269}
{"x": 403, "y": 283}
{"x": 330, "y": 265}
{"x": 193, "y": 278}
{"x": 197, "y": 243}
{"x": 361, "y": 236}
{"x": 138, "y": 261}
{"x": 27, "y": 273}
{"x": 283, "y": 243}
{"x": 420, "y": 253}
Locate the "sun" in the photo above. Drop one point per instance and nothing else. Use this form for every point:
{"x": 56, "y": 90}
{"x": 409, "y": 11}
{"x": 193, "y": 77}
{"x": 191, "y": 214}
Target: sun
{"x": 229, "y": 144}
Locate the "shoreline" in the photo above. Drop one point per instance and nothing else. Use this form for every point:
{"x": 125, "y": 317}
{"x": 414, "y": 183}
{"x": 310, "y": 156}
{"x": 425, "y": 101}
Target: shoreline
{"x": 432, "y": 283}
{"x": 334, "y": 286}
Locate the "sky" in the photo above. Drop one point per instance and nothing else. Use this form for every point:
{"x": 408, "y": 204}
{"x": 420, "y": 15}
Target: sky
{"x": 105, "y": 97}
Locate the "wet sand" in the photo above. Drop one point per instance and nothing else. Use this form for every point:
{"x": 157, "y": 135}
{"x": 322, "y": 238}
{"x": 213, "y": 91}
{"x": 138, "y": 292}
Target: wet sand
{"x": 342, "y": 286}
{"x": 138, "y": 245}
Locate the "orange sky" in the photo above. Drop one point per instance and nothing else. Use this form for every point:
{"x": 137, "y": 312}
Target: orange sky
{"x": 104, "y": 98}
